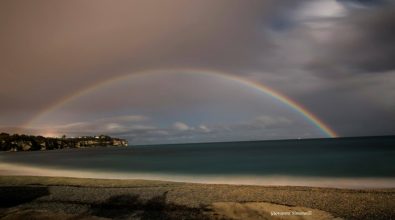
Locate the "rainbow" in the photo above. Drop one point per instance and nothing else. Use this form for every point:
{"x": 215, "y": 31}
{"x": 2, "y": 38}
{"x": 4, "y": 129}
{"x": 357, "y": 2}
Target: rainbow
{"x": 309, "y": 116}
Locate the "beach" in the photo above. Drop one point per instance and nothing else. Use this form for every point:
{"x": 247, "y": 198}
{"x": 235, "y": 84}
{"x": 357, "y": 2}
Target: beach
{"x": 349, "y": 178}
{"x": 83, "y": 198}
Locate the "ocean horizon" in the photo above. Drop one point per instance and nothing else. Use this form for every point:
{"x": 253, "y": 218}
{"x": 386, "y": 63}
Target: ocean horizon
{"x": 359, "y": 162}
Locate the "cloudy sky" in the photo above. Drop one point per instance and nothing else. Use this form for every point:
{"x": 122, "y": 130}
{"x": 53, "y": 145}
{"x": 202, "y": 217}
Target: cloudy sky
{"x": 336, "y": 58}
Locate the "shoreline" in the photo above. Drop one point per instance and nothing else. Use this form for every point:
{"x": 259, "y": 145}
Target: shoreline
{"x": 65, "y": 197}
{"x": 7, "y": 169}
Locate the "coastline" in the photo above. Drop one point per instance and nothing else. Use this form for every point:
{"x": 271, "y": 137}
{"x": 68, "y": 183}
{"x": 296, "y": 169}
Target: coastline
{"x": 8, "y": 169}
{"x": 64, "y": 197}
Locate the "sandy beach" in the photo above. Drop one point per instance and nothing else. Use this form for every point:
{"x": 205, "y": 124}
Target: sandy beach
{"x": 82, "y": 198}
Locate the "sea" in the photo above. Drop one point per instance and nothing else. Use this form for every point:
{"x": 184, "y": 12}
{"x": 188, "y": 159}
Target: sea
{"x": 360, "y": 162}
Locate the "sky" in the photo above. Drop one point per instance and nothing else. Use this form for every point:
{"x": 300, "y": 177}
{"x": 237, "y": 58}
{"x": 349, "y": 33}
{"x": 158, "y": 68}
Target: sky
{"x": 334, "y": 58}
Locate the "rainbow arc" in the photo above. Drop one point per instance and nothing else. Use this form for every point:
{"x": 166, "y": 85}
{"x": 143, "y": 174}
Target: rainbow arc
{"x": 299, "y": 108}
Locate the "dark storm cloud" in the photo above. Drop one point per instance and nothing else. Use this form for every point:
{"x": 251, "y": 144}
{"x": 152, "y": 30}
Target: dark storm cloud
{"x": 364, "y": 3}
{"x": 363, "y": 43}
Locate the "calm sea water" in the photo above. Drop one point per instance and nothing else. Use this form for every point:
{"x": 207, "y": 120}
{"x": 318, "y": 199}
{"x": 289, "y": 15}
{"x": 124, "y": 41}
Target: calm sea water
{"x": 349, "y": 157}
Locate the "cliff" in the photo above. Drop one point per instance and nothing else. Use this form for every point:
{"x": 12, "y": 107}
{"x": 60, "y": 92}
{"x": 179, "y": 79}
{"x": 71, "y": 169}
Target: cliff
{"x": 18, "y": 142}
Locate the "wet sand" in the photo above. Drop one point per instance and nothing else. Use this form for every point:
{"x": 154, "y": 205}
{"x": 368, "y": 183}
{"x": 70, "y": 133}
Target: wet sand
{"x": 79, "y": 198}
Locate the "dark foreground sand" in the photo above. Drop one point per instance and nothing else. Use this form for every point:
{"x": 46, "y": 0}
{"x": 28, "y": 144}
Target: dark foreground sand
{"x": 74, "y": 198}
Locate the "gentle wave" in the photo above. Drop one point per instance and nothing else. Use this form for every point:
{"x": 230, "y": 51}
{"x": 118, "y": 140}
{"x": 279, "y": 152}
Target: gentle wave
{"x": 272, "y": 180}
